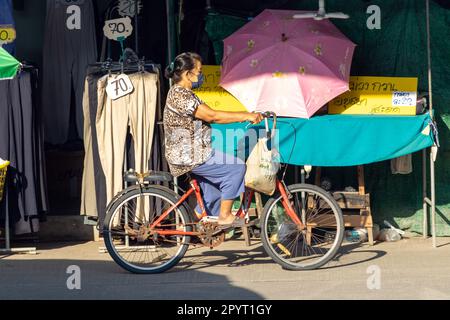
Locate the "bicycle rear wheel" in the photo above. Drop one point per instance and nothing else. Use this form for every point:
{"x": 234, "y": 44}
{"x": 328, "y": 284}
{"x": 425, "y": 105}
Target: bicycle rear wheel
{"x": 308, "y": 249}
{"x": 127, "y": 237}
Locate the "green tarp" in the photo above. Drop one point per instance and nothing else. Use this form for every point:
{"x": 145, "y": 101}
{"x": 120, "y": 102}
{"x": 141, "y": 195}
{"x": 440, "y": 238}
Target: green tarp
{"x": 333, "y": 140}
{"x": 8, "y": 65}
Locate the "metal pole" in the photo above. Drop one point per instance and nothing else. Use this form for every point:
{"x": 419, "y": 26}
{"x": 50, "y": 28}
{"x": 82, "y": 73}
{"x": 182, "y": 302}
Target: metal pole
{"x": 433, "y": 200}
{"x": 170, "y": 54}
{"x": 430, "y": 93}
{"x": 169, "y": 12}
{"x": 136, "y": 25}
{"x": 424, "y": 194}
{"x": 8, "y": 249}
{"x": 7, "y": 234}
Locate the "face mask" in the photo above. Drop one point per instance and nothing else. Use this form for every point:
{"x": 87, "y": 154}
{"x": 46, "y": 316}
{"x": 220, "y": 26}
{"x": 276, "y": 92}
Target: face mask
{"x": 199, "y": 83}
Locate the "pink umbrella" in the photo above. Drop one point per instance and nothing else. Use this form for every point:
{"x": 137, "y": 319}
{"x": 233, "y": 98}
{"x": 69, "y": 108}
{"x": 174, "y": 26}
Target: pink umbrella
{"x": 290, "y": 66}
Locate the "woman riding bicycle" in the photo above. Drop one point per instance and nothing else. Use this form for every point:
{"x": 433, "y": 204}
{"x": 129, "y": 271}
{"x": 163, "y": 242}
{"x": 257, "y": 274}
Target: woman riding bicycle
{"x": 188, "y": 146}
{"x": 148, "y": 228}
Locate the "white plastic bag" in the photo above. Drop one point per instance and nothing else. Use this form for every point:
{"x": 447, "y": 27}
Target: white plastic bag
{"x": 262, "y": 168}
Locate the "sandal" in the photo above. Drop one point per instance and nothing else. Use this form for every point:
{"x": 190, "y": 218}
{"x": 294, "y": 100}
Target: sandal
{"x": 237, "y": 223}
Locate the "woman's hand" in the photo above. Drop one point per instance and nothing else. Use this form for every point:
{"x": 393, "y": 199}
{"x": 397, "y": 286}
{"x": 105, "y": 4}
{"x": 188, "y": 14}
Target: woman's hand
{"x": 255, "y": 118}
{"x": 209, "y": 115}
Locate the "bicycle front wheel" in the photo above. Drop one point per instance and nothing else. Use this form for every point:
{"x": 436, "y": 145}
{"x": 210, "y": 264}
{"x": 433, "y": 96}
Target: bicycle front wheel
{"x": 128, "y": 238}
{"x": 315, "y": 245}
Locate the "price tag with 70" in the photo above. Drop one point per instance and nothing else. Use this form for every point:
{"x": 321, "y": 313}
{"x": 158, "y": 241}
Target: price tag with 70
{"x": 119, "y": 87}
{"x": 118, "y": 29}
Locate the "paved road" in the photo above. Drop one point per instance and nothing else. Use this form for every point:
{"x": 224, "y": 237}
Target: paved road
{"x": 409, "y": 269}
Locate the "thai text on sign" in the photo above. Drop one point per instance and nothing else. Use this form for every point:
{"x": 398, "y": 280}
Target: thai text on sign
{"x": 377, "y": 95}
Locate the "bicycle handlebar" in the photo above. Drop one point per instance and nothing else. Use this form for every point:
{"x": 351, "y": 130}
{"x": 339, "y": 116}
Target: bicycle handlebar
{"x": 268, "y": 114}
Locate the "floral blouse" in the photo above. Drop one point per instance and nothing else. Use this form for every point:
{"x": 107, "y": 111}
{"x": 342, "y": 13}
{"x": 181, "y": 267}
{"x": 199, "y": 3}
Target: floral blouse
{"x": 187, "y": 140}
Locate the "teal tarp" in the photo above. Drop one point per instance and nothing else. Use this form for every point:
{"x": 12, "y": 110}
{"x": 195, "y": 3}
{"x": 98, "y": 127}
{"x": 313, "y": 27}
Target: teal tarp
{"x": 334, "y": 140}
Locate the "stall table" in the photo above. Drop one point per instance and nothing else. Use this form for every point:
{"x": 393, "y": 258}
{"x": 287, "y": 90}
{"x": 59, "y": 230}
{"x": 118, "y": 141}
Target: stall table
{"x": 336, "y": 141}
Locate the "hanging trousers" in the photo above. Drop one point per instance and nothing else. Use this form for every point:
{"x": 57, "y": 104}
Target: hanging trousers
{"x": 93, "y": 193}
{"x": 93, "y": 198}
{"x": 21, "y": 143}
{"x": 137, "y": 111}
{"x": 69, "y": 48}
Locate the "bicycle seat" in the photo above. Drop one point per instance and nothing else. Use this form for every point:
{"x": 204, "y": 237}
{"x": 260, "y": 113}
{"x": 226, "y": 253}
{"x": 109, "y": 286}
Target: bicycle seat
{"x": 151, "y": 176}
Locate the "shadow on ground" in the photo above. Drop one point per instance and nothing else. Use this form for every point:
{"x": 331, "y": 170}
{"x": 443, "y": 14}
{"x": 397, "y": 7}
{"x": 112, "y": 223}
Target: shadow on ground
{"x": 257, "y": 255}
{"x": 104, "y": 280}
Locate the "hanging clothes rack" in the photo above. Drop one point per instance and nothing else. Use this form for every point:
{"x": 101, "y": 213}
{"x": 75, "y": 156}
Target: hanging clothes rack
{"x": 7, "y": 237}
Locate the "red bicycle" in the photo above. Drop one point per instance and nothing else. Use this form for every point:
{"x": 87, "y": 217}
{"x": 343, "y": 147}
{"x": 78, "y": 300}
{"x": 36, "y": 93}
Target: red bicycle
{"x": 148, "y": 228}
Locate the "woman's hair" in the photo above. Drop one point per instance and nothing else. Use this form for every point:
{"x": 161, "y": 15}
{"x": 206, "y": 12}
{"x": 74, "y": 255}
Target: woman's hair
{"x": 183, "y": 62}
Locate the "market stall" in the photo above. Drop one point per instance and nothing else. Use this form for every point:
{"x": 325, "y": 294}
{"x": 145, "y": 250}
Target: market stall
{"x": 322, "y": 142}
{"x": 221, "y": 22}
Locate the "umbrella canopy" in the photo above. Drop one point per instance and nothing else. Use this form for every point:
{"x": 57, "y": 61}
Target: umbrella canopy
{"x": 289, "y": 66}
{"x": 8, "y": 65}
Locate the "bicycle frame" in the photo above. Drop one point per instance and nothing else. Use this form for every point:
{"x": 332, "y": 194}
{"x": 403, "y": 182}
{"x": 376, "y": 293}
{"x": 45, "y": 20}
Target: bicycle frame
{"x": 242, "y": 212}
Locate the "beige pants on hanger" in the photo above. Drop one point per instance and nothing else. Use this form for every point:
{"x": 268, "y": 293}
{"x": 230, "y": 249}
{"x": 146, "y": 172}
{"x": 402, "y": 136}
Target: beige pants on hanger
{"x": 88, "y": 192}
{"x": 136, "y": 110}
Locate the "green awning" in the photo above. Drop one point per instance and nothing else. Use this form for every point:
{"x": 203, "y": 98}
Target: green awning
{"x": 8, "y": 65}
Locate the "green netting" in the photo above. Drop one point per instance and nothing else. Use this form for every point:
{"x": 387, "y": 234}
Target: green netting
{"x": 397, "y": 49}
{"x": 218, "y": 28}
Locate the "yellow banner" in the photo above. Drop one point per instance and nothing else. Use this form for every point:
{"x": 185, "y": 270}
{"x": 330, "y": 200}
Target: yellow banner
{"x": 7, "y": 34}
{"x": 214, "y": 95}
{"x": 377, "y": 96}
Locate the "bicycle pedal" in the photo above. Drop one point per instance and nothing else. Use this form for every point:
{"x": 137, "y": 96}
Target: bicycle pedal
{"x": 209, "y": 219}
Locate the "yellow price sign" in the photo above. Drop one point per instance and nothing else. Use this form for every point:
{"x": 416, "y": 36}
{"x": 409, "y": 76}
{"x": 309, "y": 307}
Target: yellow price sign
{"x": 215, "y": 96}
{"x": 377, "y": 96}
{"x": 7, "y": 34}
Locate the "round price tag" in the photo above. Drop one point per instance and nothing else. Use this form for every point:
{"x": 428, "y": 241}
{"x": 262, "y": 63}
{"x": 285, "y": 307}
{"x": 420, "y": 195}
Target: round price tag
{"x": 118, "y": 29}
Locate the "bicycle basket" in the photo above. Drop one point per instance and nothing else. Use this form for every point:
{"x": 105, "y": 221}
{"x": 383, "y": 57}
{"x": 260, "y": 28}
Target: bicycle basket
{"x": 3, "y": 169}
